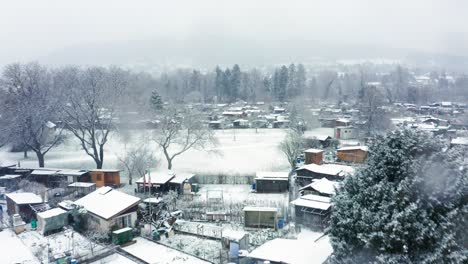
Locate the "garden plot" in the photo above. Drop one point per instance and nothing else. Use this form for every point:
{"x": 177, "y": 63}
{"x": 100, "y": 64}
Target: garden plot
{"x": 204, "y": 248}
{"x": 67, "y": 241}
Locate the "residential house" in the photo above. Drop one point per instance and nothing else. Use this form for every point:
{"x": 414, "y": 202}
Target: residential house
{"x": 107, "y": 208}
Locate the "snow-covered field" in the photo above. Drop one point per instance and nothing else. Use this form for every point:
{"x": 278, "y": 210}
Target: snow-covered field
{"x": 242, "y": 151}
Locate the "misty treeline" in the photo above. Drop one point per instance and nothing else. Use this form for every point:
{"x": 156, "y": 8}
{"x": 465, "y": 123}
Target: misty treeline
{"x": 38, "y": 102}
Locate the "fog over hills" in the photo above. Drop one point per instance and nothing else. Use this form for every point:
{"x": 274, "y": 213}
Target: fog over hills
{"x": 207, "y": 33}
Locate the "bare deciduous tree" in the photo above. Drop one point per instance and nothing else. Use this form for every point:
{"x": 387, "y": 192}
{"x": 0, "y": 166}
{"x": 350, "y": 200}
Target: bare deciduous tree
{"x": 292, "y": 146}
{"x": 136, "y": 160}
{"x": 95, "y": 94}
{"x": 179, "y": 133}
{"x": 29, "y": 108}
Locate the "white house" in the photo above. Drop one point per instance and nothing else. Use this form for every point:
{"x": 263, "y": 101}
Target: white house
{"x": 107, "y": 207}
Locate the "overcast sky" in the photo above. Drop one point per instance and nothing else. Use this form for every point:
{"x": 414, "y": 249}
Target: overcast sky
{"x": 42, "y": 30}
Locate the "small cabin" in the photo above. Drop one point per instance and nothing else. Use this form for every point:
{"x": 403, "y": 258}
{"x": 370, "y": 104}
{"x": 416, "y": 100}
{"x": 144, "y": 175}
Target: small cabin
{"x": 312, "y": 211}
{"x": 354, "y": 154}
{"x": 271, "y": 182}
{"x": 342, "y": 132}
{"x": 105, "y": 177}
{"x": 313, "y": 156}
{"x": 21, "y": 203}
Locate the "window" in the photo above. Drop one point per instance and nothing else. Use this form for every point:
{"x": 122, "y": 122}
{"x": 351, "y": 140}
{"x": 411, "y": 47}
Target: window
{"x": 124, "y": 221}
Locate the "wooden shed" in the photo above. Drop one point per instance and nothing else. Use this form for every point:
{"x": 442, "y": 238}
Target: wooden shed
{"x": 271, "y": 182}
{"x": 312, "y": 211}
{"x": 313, "y": 156}
{"x": 20, "y": 203}
{"x": 260, "y": 217}
{"x": 342, "y": 132}
{"x": 105, "y": 177}
{"x": 356, "y": 154}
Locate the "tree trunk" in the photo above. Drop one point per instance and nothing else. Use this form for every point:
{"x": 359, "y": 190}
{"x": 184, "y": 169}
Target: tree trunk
{"x": 169, "y": 164}
{"x": 40, "y": 159}
{"x": 130, "y": 179}
{"x": 25, "y": 153}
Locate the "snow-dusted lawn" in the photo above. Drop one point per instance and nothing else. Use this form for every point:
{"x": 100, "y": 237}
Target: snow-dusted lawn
{"x": 243, "y": 151}
{"x": 12, "y": 250}
{"x": 65, "y": 241}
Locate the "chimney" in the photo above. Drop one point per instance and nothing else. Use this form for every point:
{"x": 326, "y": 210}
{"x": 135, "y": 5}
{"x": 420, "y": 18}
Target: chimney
{"x": 313, "y": 156}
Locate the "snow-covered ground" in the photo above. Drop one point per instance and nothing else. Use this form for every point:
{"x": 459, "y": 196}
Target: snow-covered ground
{"x": 12, "y": 250}
{"x": 242, "y": 151}
{"x": 204, "y": 248}
{"x": 59, "y": 243}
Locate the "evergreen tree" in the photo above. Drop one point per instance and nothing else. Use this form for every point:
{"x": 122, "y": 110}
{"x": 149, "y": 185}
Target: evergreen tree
{"x": 219, "y": 83}
{"x": 300, "y": 79}
{"x": 292, "y": 85}
{"x": 409, "y": 205}
{"x": 235, "y": 83}
{"x": 282, "y": 83}
{"x": 156, "y": 101}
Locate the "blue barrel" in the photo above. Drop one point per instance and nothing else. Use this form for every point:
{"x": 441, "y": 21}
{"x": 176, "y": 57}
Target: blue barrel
{"x": 280, "y": 223}
{"x": 73, "y": 261}
{"x": 254, "y": 186}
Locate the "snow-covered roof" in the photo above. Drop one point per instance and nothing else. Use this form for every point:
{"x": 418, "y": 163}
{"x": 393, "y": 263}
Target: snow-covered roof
{"x": 322, "y": 137}
{"x": 272, "y": 175}
{"x": 312, "y": 150}
{"x": 328, "y": 169}
{"x": 343, "y": 120}
{"x": 122, "y": 230}
{"x": 154, "y": 253}
{"x": 106, "y": 202}
{"x": 153, "y": 200}
{"x": 44, "y": 172}
{"x": 313, "y": 201}
{"x": 157, "y": 178}
{"x": 81, "y": 184}
{"x": 323, "y": 186}
{"x": 9, "y": 176}
{"x": 106, "y": 170}
{"x": 459, "y": 141}
{"x": 260, "y": 209}
{"x": 235, "y": 235}
{"x": 51, "y": 213}
{"x": 363, "y": 148}
{"x": 25, "y": 198}
{"x": 180, "y": 177}
{"x": 300, "y": 251}
{"x": 50, "y": 124}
